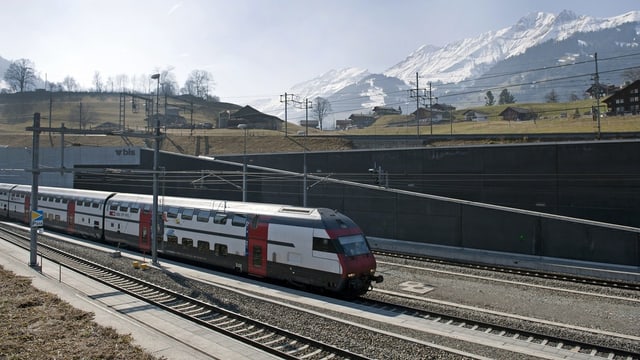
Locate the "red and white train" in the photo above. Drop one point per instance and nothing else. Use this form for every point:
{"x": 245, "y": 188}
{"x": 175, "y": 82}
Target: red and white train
{"x": 314, "y": 247}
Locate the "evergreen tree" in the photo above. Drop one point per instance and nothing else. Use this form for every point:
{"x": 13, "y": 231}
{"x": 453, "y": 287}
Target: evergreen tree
{"x": 506, "y": 97}
{"x": 552, "y": 97}
{"x": 489, "y": 99}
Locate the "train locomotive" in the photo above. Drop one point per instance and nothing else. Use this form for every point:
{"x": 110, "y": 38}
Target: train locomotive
{"x": 312, "y": 247}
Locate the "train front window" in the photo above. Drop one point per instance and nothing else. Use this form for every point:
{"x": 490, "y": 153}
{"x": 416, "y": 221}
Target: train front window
{"x": 353, "y": 245}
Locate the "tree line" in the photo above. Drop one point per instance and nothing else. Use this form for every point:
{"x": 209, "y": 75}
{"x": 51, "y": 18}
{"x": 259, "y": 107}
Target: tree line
{"x": 21, "y": 76}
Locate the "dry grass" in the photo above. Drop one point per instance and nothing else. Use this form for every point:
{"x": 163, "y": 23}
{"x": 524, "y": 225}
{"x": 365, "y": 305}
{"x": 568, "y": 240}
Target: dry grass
{"x": 16, "y": 114}
{"x": 38, "y": 325}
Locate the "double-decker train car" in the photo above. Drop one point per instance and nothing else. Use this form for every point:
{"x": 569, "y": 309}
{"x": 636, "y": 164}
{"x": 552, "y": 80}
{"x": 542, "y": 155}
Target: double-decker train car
{"x": 314, "y": 247}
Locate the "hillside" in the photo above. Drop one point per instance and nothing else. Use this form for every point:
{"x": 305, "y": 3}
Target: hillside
{"x": 16, "y": 114}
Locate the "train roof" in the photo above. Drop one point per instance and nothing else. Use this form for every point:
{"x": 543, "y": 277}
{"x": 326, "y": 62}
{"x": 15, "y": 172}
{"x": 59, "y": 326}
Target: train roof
{"x": 75, "y": 193}
{"x": 237, "y": 207}
{"x": 223, "y": 205}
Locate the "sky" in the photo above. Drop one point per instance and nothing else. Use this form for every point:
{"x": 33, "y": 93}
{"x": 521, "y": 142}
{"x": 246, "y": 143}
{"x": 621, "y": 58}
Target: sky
{"x": 252, "y": 48}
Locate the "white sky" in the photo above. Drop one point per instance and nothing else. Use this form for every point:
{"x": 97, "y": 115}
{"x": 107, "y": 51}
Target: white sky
{"x": 253, "y": 48}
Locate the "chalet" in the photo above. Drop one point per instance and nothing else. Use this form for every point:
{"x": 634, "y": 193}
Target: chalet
{"x": 473, "y": 115}
{"x": 517, "y": 114}
{"x": 625, "y": 100}
{"x": 362, "y": 120}
{"x": 443, "y": 107}
{"x": 253, "y": 118}
{"x": 384, "y": 110}
{"x": 605, "y": 90}
{"x": 426, "y": 115}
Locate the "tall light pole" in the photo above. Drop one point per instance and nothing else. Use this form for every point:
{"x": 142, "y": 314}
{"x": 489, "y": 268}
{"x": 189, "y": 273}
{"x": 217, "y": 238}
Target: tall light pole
{"x": 156, "y": 150}
{"x": 244, "y": 163}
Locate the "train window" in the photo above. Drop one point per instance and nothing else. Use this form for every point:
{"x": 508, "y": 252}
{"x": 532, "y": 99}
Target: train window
{"x": 220, "y": 249}
{"x": 114, "y": 206}
{"x": 172, "y": 239}
{"x": 57, "y": 218}
{"x": 239, "y": 220}
{"x": 187, "y": 214}
{"x": 257, "y": 256}
{"x": 203, "y": 215}
{"x": 172, "y": 213}
{"x": 79, "y": 203}
{"x": 58, "y": 200}
{"x": 95, "y": 204}
{"x": 325, "y": 245}
{"x": 146, "y": 207}
{"x": 124, "y": 207}
{"x": 353, "y": 245}
{"x": 134, "y": 208}
{"x": 220, "y": 218}
{"x": 203, "y": 245}
{"x": 187, "y": 242}
{"x": 64, "y": 201}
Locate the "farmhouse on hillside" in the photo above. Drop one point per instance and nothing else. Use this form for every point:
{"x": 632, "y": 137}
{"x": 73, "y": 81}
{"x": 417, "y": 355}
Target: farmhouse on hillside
{"x": 517, "y": 114}
{"x": 625, "y": 100}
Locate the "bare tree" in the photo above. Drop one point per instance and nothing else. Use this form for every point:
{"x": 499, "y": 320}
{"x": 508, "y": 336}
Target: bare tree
{"x": 97, "y": 82}
{"x": 121, "y": 82}
{"x": 321, "y": 108}
{"x": 110, "y": 84}
{"x": 168, "y": 83}
{"x": 70, "y": 84}
{"x": 198, "y": 84}
{"x": 20, "y": 75}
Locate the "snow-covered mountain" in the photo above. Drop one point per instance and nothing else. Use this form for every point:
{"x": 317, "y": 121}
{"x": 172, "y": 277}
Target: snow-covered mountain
{"x": 472, "y": 57}
{"x": 537, "y": 40}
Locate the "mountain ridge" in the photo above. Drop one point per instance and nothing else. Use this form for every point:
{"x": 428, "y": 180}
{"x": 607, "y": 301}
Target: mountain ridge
{"x": 465, "y": 60}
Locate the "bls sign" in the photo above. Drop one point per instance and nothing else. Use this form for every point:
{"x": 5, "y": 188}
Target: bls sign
{"x": 126, "y": 152}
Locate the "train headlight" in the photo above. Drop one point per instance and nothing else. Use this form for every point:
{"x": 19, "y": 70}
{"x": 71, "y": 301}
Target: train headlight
{"x": 351, "y": 275}
{"x": 372, "y": 271}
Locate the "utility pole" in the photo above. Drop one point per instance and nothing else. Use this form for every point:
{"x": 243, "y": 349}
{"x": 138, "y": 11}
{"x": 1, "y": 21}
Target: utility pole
{"x": 35, "y": 173}
{"x": 156, "y": 154}
{"x": 307, "y": 106}
{"x": 597, "y": 85}
{"x": 415, "y": 93}
{"x": 430, "y": 109}
{"x": 286, "y": 98}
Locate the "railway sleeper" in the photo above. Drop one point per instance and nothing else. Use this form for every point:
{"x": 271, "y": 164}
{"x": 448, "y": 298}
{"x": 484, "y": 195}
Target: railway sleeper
{"x": 274, "y": 341}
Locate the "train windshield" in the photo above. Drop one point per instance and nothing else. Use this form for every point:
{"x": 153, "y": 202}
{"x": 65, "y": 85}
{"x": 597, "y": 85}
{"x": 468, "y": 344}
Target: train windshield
{"x": 353, "y": 245}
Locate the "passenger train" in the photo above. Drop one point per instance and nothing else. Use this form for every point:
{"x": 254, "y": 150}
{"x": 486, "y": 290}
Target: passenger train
{"x": 314, "y": 247}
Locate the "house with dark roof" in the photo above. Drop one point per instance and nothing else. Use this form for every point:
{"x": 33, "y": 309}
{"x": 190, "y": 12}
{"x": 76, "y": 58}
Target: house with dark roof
{"x": 426, "y": 115}
{"x": 253, "y": 118}
{"x": 361, "y": 120}
{"x": 518, "y": 114}
{"x": 625, "y": 100}
{"x": 605, "y": 90}
{"x": 385, "y": 110}
{"x": 474, "y": 115}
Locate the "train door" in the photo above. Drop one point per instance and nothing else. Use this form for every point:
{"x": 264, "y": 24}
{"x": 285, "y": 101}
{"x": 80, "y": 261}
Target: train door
{"x": 257, "y": 232}
{"x": 27, "y": 209}
{"x": 71, "y": 216}
{"x": 144, "y": 236}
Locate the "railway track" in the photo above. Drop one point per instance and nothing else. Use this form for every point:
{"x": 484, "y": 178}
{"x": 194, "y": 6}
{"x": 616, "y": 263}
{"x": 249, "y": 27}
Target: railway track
{"x": 512, "y": 333}
{"x": 516, "y": 271}
{"x": 271, "y": 339}
{"x": 483, "y": 332}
